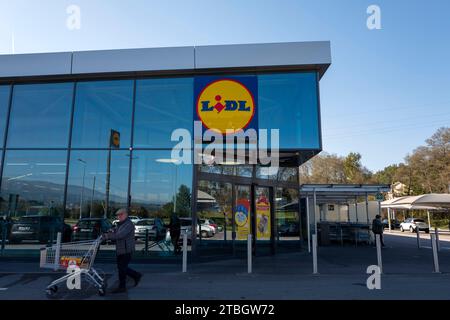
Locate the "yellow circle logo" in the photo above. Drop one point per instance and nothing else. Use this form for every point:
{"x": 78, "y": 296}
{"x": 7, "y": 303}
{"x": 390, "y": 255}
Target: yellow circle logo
{"x": 225, "y": 106}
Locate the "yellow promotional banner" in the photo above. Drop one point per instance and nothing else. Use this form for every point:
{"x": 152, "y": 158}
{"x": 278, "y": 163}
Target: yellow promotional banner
{"x": 242, "y": 219}
{"x": 263, "y": 219}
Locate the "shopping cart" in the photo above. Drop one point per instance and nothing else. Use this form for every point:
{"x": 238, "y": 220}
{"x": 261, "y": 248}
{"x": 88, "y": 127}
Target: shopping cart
{"x": 78, "y": 256}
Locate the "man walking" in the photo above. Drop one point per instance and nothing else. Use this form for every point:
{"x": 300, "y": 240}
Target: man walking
{"x": 377, "y": 228}
{"x": 124, "y": 236}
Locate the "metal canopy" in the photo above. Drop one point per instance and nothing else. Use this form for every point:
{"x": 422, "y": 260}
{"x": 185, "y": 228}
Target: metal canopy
{"x": 340, "y": 193}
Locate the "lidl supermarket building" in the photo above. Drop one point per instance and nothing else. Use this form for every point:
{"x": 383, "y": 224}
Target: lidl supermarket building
{"x": 85, "y": 133}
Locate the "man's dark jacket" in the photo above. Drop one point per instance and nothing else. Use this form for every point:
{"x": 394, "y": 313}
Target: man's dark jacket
{"x": 124, "y": 236}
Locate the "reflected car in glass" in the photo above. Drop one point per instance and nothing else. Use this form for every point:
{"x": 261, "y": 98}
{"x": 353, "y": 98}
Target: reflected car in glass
{"x": 133, "y": 219}
{"x": 289, "y": 230}
{"x": 211, "y": 223}
{"x": 155, "y": 227}
{"x": 39, "y": 228}
{"x": 206, "y": 231}
{"x": 90, "y": 228}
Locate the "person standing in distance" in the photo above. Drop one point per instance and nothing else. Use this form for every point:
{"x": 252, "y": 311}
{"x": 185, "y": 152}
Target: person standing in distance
{"x": 377, "y": 228}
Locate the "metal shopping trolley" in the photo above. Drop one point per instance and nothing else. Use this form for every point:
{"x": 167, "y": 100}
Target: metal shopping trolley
{"x": 78, "y": 256}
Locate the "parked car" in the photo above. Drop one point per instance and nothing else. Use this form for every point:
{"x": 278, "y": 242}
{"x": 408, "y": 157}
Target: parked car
{"x": 395, "y": 224}
{"x": 133, "y": 219}
{"x": 155, "y": 227}
{"x": 412, "y": 224}
{"x": 90, "y": 228}
{"x": 40, "y": 228}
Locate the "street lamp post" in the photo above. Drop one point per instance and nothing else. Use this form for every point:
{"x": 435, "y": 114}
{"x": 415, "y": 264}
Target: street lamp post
{"x": 92, "y": 198}
{"x": 82, "y": 189}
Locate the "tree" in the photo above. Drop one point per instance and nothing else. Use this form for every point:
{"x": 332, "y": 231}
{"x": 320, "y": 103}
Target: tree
{"x": 426, "y": 169}
{"x": 183, "y": 208}
{"x": 324, "y": 168}
{"x": 328, "y": 168}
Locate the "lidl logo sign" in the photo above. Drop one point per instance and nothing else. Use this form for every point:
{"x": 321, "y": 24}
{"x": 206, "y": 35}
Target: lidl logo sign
{"x": 226, "y": 105}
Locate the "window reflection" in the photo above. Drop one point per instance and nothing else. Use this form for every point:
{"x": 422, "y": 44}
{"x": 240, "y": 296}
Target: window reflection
{"x": 160, "y": 186}
{"x": 33, "y": 183}
{"x": 4, "y": 102}
{"x": 162, "y": 105}
{"x": 214, "y": 210}
{"x": 282, "y": 174}
{"x": 87, "y": 193}
{"x": 102, "y": 106}
{"x": 288, "y": 102}
{"x": 40, "y": 115}
{"x": 287, "y": 214}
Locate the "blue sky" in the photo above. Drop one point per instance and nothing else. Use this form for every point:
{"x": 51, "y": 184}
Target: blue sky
{"x": 385, "y": 93}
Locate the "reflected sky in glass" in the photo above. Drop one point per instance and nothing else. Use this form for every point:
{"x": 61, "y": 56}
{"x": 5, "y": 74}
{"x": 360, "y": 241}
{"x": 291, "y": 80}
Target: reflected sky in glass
{"x": 40, "y": 115}
{"x": 99, "y": 107}
{"x": 162, "y": 106}
{"x": 155, "y": 178}
{"x": 36, "y": 176}
{"x": 4, "y": 102}
{"x": 288, "y": 102}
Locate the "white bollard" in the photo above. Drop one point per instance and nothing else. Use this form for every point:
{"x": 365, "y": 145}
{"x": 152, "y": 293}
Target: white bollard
{"x": 314, "y": 252}
{"x": 185, "y": 251}
{"x": 435, "y": 254}
{"x": 379, "y": 259}
{"x": 249, "y": 253}
{"x": 418, "y": 237}
{"x": 57, "y": 251}
{"x": 438, "y": 245}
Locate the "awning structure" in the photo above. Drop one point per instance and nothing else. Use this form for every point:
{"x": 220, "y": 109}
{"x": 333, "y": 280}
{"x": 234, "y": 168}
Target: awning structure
{"x": 341, "y": 193}
{"x": 432, "y": 200}
{"x": 427, "y": 202}
{"x": 203, "y": 197}
{"x": 336, "y": 194}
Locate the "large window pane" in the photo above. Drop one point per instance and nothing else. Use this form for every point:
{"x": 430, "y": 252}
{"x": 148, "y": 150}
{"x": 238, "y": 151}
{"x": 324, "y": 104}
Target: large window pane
{"x": 162, "y": 105}
{"x": 214, "y": 208}
{"x": 102, "y": 106}
{"x": 40, "y": 115}
{"x": 160, "y": 186}
{"x": 287, "y": 214}
{"x": 33, "y": 183}
{"x": 288, "y": 102}
{"x": 285, "y": 174}
{"x": 4, "y": 103}
{"x": 88, "y": 183}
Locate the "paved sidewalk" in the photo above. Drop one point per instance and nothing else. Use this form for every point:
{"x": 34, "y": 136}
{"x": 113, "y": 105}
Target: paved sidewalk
{"x": 408, "y": 275}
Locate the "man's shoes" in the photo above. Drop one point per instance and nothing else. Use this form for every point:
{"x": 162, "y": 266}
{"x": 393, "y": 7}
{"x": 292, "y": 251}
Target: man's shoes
{"x": 137, "y": 280}
{"x": 119, "y": 290}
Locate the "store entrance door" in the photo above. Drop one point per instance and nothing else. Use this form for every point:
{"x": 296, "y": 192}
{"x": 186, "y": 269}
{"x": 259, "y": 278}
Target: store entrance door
{"x": 253, "y": 214}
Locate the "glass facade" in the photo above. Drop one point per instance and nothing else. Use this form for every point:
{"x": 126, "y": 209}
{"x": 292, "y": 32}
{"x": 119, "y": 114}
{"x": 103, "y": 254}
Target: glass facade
{"x": 59, "y": 161}
{"x": 4, "y": 103}
{"x": 162, "y": 105}
{"x": 102, "y": 106}
{"x": 160, "y": 186}
{"x": 90, "y": 173}
{"x": 40, "y": 116}
{"x": 33, "y": 182}
{"x": 289, "y": 102}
